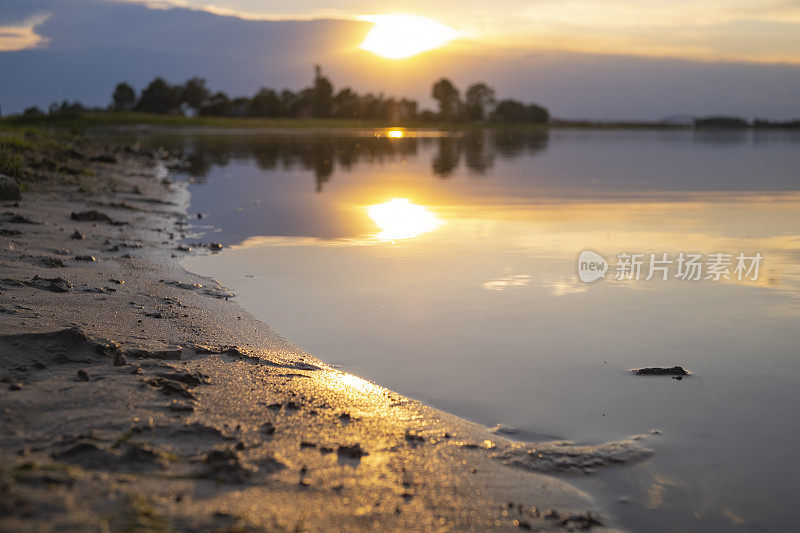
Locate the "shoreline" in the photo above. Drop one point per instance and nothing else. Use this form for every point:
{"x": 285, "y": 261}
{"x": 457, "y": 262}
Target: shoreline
{"x": 138, "y": 395}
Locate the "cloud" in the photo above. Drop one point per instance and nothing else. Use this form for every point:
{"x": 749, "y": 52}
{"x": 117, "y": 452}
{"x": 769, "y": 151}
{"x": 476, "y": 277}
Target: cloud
{"x": 22, "y": 36}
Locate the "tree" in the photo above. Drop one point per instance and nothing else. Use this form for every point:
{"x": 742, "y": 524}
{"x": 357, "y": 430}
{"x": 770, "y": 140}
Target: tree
{"x": 194, "y": 93}
{"x": 124, "y": 97}
{"x": 537, "y": 113}
{"x": 447, "y": 95}
{"x": 218, "y": 105}
{"x": 266, "y": 103}
{"x": 479, "y": 101}
{"x": 510, "y": 111}
{"x": 32, "y": 112}
{"x": 159, "y": 97}
{"x": 321, "y": 95}
{"x": 346, "y": 104}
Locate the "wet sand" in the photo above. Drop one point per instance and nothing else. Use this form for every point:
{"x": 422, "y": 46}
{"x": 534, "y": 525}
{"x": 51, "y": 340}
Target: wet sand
{"x": 137, "y": 396}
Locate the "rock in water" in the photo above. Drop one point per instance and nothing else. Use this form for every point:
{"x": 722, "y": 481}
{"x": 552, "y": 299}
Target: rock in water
{"x": 9, "y": 188}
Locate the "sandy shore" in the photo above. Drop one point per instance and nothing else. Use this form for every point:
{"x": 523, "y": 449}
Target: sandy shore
{"x": 136, "y": 396}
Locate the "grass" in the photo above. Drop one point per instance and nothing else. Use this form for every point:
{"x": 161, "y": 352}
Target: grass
{"x": 36, "y": 154}
{"x": 100, "y": 119}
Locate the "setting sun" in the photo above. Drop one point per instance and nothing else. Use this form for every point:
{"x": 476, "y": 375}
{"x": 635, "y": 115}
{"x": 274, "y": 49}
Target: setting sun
{"x": 400, "y": 219}
{"x": 401, "y": 36}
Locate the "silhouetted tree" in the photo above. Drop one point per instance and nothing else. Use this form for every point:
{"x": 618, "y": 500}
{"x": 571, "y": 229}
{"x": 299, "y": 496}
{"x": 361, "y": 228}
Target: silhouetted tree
{"x": 321, "y": 95}
{"x": 447, "y": 95}
{"x": 65, "y": 109}
{"x": 479, "y": 101}
{"x": 239, "y": 107}
{"x": 194, "y": 93}
{"x": 515, "y": 111}
{"x": 218, "y": 105}
{"x": 266, "y": 103}
{"x": 123, "y": 98}
{"x": 32, "y": 112}
{"x": 510, "y": 111}
{"x": 537, "y": 113}
{"x": 159, "y": 97}
{"x": 347, "y": 104}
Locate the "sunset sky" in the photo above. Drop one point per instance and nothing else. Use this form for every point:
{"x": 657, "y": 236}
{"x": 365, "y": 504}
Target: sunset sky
{"x": 752, "y": 30}
{"x": 616, "y": 59}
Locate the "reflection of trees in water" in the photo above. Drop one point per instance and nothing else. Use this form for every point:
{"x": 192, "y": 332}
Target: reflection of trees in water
{"x": 480, "y": 147}
{"x": 323, "y": 154}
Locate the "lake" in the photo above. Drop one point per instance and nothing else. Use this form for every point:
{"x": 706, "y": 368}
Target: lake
{"x": 444, "y": 265}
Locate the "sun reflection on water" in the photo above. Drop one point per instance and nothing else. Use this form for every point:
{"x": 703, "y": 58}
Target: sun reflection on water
{"x": 400, "y": 219}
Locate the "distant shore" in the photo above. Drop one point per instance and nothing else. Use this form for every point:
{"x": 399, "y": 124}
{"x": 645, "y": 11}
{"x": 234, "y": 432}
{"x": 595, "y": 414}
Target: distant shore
{"x": 96, "y": 120}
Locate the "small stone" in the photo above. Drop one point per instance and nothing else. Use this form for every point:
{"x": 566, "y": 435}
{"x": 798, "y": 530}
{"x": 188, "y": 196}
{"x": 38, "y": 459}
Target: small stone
{"x": 78, "y": 235}
{"x": 15, "y": 386}
{"x": 88, "y": 258}
{"x": 82, "y": 375}
{"x": 215, "y": 246}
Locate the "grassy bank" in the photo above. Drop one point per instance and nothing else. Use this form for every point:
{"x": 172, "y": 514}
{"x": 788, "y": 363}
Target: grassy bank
{"x": 35, "y": 156}
{"x": 99, "y": 120}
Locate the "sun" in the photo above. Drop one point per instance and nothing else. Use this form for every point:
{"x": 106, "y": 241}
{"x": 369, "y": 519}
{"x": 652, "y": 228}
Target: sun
{"x": 401, "y": 36}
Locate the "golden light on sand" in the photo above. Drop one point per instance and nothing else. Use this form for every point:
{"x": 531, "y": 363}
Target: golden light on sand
{"x": 400, "y": 219}
{"x": 401, "y": 36}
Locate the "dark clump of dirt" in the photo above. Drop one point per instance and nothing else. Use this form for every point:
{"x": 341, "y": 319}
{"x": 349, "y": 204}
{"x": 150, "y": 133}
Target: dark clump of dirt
{"x": 94, "y": 216}
{"x": 50, "y": 284}
{"x": 661, "y": 371}
{"x": 19, "y": 219}
{"x": 351, "y": 453}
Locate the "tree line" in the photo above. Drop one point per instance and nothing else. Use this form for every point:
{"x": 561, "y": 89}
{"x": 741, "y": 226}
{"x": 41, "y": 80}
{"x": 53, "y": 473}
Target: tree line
{"x": 320, "y": 100}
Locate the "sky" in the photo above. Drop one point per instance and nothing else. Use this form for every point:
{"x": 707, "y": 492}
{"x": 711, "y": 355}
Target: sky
{"x": 751, "y": 30}
{"x": 616, "y": 59}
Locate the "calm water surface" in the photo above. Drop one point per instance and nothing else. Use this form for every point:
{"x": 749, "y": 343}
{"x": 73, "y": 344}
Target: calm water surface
{"x": 460, "y": 289}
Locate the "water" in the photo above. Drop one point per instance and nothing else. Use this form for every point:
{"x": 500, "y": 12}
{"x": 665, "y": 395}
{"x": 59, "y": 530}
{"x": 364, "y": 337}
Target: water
{"x": 471, "y": 302}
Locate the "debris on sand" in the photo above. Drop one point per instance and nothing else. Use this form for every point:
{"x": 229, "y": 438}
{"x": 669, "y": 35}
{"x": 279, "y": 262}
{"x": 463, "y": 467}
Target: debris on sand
{"x": 82, "y": 375}
{"x": 94, "y": 216}
{"x": 78, "y": 235}
{"x": 52, "y": 262}
{"x": 49, "y": 284}
{"x": 215, "y": 246}
{"x": 170, "y": 387}
{"x": 103, "y": 158}
{"x": 19, "y": 219}
{"x": 88, "y": 258}
{"x": 119, "y": 359}
{"x": 9, "y": 188}
{"x": 661, "y": 371}
{"x": 354, "y": 452}
{"x": 224, "y": 466}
